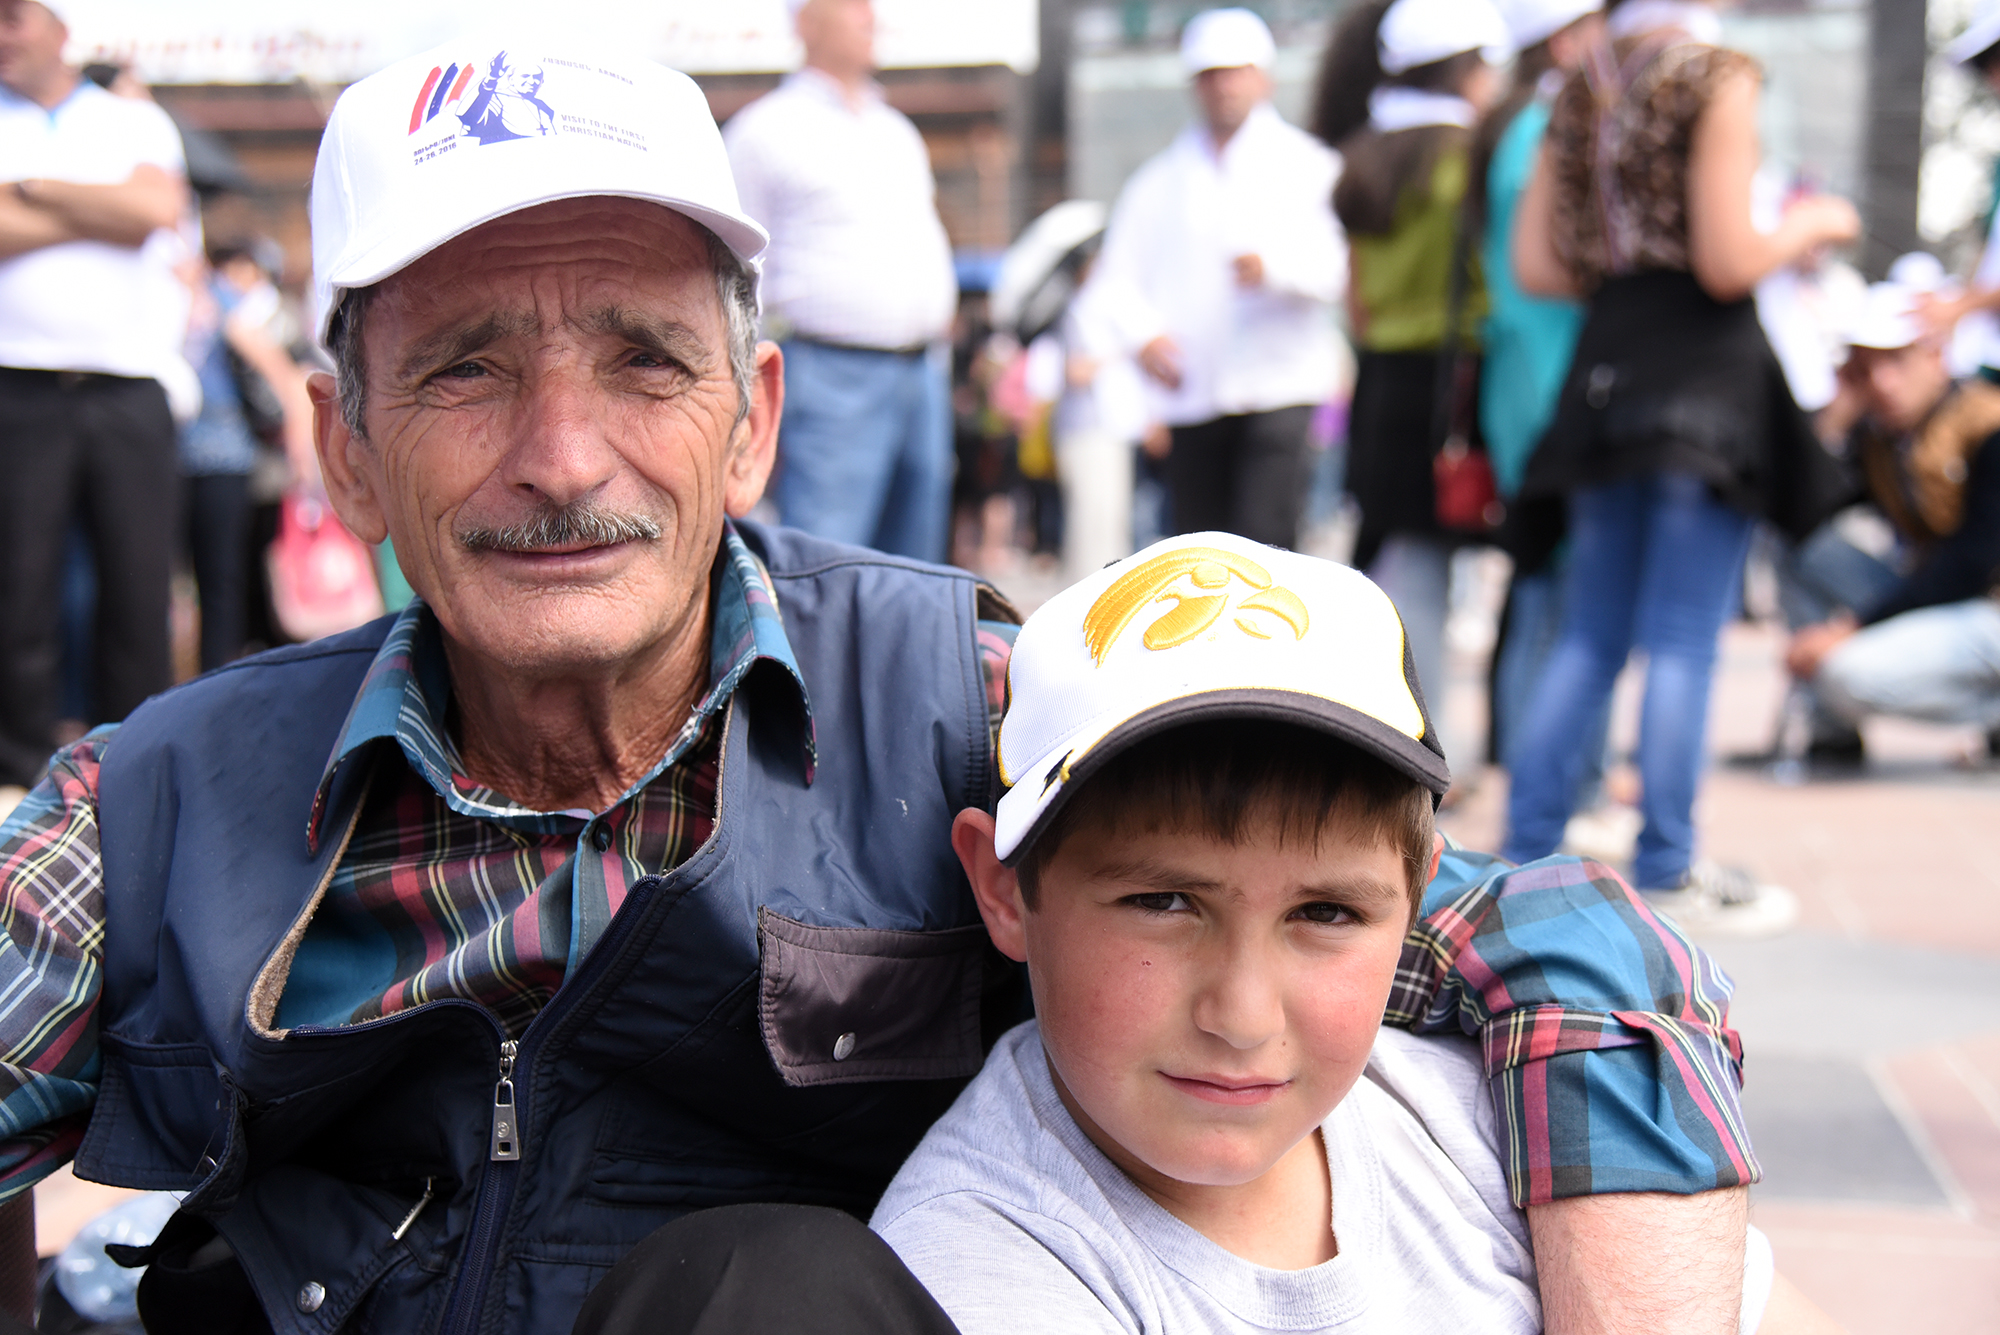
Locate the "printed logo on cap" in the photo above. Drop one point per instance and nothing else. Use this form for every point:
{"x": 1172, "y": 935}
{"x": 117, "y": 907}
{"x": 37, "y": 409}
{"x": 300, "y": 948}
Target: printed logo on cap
{"x": 500, "y": 98}
{"x": 1265, "y": 610}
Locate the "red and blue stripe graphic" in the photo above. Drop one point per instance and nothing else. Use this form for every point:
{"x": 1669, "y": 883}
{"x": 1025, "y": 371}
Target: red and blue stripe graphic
{"x": 442, "y": 87}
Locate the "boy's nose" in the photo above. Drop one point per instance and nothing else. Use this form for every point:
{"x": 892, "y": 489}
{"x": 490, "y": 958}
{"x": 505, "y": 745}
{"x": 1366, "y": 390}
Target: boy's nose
{"x": 1240, "y": 1002}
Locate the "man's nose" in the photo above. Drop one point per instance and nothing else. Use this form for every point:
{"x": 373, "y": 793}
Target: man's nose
{"x": 559, "y": 448}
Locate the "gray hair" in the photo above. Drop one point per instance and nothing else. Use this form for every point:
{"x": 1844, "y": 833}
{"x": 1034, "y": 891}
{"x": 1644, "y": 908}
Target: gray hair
{"x": 735, "y": 288}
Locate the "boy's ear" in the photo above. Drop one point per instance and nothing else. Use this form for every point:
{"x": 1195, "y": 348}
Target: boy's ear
{"x": 995, "y": 887}
{"x": 1437, "y": 856}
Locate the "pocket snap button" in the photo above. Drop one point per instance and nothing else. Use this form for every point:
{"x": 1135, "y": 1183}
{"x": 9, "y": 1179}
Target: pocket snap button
{"x": 843, "y": 1047}
{"x": 311, "y": 1295}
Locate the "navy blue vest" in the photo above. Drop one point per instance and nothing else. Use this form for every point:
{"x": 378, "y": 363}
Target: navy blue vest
{"x": 777, "y": 1019}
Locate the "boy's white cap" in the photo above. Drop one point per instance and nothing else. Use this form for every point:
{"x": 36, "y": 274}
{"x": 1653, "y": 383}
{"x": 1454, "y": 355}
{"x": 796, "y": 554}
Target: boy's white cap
{"x": 1421, "y": 32}
{"x": 1981, "y": 33}
{"x": 1532, "y": 21}
{"x": 1220, "y": 39}
{"x": 1886, "y": 318}
{"x": 1201, "y": 627}
{"x": 436, "y": 145}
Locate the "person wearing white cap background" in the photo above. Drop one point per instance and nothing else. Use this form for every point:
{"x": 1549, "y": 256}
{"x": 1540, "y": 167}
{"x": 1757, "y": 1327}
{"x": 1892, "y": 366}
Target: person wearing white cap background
{"x": 1921, "y": 641}
{"x": 90, "y": 186}
{"x": 1401, "y": 87}
{"x": 858, "y": 287}
{"x": 1219, "y": 271}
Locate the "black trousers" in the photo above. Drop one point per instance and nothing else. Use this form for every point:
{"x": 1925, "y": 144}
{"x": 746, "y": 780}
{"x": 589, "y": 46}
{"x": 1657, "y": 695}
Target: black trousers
{"x": 101, "y": 447}
{"x": 752, "y": 1269}
{"x": 217, "y": 507}
{"x": 1245, "y": 474}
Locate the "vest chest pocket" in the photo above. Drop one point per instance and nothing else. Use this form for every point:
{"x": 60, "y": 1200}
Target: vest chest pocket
{"x": 847, "y": 1005}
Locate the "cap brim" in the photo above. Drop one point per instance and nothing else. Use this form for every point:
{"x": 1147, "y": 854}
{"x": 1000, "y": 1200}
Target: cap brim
{"x": 1032, "y": 803}
{"x": 372, "y": 266}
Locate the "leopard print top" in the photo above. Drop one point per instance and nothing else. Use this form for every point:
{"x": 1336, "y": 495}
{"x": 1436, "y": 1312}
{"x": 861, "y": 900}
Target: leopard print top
{"x": 1618, "y": 151}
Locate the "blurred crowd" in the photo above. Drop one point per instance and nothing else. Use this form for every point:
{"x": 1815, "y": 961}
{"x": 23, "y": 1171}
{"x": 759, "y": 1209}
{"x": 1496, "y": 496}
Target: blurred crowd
{"x": 1520, "y": 284}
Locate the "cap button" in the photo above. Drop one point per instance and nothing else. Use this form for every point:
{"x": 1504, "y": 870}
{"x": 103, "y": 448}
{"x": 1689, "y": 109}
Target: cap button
{"x": 843, "y": 1047}
{"x": 311, "y": 1295}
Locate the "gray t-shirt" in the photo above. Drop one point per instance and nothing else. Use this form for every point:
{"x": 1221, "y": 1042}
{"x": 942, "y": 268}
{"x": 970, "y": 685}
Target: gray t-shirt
{"x": 1018, "y": 1224}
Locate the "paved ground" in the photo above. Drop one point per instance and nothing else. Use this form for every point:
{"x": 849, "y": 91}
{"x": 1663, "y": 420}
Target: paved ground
{"x": 1872, "y": 1030}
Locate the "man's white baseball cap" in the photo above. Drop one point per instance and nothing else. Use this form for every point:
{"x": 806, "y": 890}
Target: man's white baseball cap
{"x": 1980, "y": 34}
{"x": 1201, "y": 627}
{"x": 436, "y": 145}
{"x": 1421, "y": 32}
{"x": 1221, "y": 39}
{"x": 1532, "y": 21}
{"x": 1886, "y": 318}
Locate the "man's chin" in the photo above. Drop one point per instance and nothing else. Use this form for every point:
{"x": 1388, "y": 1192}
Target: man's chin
{"x": 581, "y": 629}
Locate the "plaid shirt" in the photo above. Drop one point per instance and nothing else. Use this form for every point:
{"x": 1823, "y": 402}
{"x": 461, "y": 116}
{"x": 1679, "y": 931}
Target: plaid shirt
{"x": 1604, "y": 1029}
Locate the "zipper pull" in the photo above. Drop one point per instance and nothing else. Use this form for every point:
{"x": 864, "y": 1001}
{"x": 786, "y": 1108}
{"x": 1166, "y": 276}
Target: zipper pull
{"x": 506, "y": 1132}
{"x": 430, "y": 1193}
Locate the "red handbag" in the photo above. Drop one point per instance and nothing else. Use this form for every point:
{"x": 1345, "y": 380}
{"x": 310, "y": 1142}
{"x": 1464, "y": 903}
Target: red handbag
{"x": 322, "y": 577}
{"x": 1468, "y": 499}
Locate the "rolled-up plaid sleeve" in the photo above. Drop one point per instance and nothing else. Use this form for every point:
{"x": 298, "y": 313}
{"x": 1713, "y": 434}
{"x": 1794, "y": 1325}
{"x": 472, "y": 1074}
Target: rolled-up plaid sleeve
{"x": 51, "y": 967}
{"x": 1605, "y": 1030}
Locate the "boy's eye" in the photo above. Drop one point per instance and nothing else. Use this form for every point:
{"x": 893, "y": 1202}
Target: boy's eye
{"x": 1163, "y": 902}
{"x": 1325, "y": 913}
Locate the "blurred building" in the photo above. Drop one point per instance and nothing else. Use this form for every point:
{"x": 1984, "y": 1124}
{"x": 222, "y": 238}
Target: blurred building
{"x": 260, "y": 76}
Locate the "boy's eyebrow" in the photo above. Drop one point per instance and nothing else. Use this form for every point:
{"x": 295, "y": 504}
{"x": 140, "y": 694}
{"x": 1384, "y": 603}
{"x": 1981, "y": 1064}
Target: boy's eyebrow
{"x": 1167, "y": 878}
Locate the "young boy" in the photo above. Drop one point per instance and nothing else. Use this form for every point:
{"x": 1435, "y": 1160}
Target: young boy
{"x": 1216, "y": 835}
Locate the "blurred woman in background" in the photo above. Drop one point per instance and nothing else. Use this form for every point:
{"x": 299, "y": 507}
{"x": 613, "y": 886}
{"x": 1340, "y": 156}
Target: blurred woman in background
{"x": 1401, "y": 88}
{"x": 1674, "y": 430}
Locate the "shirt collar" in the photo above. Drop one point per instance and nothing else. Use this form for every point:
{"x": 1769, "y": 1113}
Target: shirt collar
{"x": 822, "y": 85}
{"x": 407, "y": 691}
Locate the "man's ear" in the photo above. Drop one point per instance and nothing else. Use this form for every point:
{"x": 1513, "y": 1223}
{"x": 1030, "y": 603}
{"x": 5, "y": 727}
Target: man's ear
{"x": 753, "y": 446}
{"x": 350, "y": 486}
{"x": 996, "y": 887}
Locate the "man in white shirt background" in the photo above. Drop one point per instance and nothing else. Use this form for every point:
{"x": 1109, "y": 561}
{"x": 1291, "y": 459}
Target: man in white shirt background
{"x": 89, "y": 182}
{"x": 1220, "y": 271}
{"x": 858, "y": 290}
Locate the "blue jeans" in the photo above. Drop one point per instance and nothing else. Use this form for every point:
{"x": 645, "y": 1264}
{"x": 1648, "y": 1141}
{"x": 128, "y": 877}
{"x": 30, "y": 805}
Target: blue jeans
{"x": 864, "y": 448}
{"x": 1534, "y": 624}
{"x": 1654, "y": 563}
{"x": 1938, "y": 663}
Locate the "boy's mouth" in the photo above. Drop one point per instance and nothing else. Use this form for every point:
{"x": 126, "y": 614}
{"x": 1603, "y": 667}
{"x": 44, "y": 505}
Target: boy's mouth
{"x": 1235, "y": 1091}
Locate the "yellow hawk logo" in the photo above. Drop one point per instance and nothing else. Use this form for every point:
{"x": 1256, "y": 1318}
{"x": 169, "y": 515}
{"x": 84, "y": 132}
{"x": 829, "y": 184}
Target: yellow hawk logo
{"x": 1209, "y": 569}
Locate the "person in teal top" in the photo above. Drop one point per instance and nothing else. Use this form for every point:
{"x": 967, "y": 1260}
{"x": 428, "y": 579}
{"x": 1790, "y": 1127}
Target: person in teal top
{"x": 1527, "y": 340}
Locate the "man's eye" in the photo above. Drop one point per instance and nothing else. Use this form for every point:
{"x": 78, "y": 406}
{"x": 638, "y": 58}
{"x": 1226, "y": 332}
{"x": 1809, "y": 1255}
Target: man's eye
{"x": 465, "y": 371}
{"x": 1165, "y": 902}
{"x": 1325, "y": 913}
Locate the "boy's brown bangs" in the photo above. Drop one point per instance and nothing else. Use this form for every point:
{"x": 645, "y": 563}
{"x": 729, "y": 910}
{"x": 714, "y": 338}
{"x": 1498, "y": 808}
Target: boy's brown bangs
{"x": 1222, "y": 778}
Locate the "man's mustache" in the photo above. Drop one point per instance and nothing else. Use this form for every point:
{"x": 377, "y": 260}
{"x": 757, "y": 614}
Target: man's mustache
{"x": 578, "y": 524}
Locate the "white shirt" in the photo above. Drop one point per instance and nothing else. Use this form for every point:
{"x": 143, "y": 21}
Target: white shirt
{"x": 1019, "y": 1225}
{"x": 1166, "y": 267}
{"x": 90, "y": 305}
{"x": 857, "y": 253}
{"x": 1112, "y": 404}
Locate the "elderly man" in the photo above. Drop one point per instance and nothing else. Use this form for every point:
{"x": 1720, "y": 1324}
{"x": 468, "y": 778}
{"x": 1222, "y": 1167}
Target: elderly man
{"x": 1220, "y": 268}
{"x": 443, "y": 962}
{"x": 90, "y": 315}
{"x": 858, "y": 283}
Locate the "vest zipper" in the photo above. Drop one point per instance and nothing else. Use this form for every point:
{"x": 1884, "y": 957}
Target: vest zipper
{"x": 495, "y": 1196}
